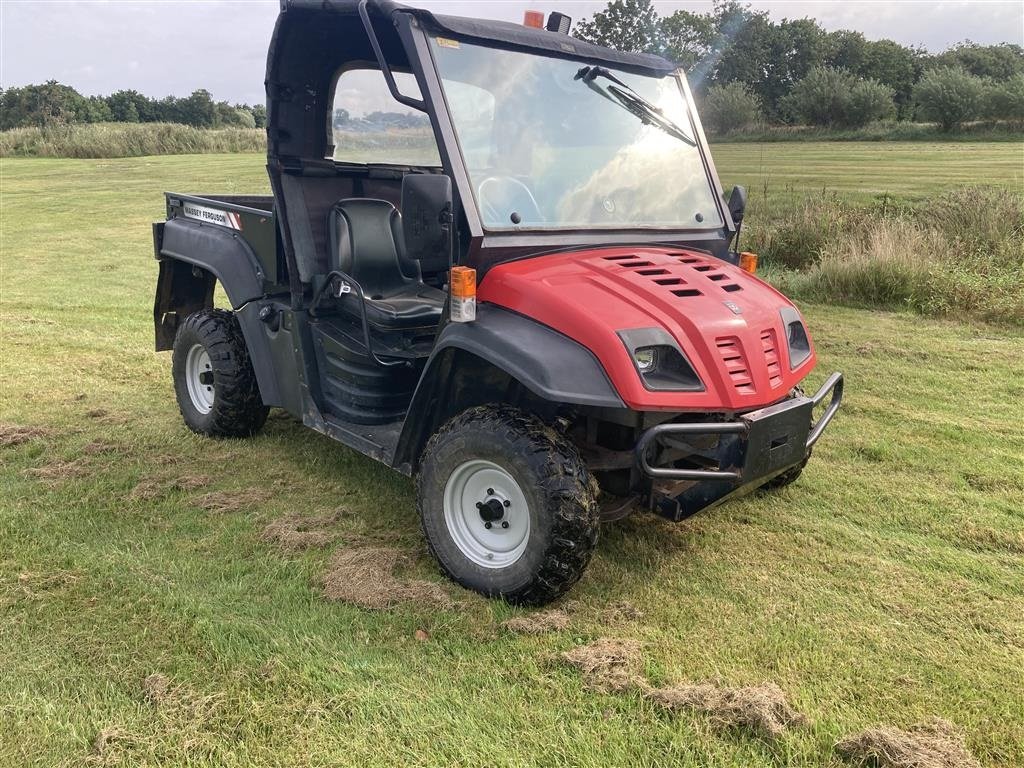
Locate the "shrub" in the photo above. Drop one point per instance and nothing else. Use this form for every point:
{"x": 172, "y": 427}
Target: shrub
{"x": 1005, "y": 100}
{"x": 869, "y": 102}
{"x": 834, "y": 97}
{"x": 730, "y": 107}
{"x": 819, "y": 99}
{"x": 244, "y": 119}
{"x": 949, "y": 97}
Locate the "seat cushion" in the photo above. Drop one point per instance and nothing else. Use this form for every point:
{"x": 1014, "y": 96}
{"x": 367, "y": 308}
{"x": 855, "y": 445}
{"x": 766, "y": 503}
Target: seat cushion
{"x": 415, "y": 306}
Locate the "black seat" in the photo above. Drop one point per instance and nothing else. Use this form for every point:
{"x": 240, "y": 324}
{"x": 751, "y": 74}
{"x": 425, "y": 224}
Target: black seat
{"x": 367, "y": 243}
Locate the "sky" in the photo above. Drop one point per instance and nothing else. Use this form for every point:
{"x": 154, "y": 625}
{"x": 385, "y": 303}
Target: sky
{"x": 163, "y": 47}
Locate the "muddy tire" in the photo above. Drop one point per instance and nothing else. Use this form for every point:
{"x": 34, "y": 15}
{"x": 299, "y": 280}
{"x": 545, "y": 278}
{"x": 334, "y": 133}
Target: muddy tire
{"x": 507, "y": 505}
{"x": 213, "y": 377}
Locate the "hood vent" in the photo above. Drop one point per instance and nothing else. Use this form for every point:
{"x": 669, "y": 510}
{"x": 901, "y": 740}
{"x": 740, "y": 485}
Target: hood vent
{"x": 667, "y": 275}
{"x": 770, "y": 345}
{"x": 731, "y": 352}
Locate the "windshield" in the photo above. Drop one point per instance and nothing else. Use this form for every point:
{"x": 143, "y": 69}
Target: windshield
{"x": 553, "y": 144}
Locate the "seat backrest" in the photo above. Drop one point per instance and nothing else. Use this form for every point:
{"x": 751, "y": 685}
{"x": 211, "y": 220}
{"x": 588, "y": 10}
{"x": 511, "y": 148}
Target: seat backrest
{"x": 366, "y": 243}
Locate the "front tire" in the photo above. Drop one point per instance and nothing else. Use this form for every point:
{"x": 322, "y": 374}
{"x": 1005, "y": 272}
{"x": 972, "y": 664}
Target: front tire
{"x": 507, "y": 505}
{"x": 788, "y": 477}
{"x": 214, "y": 382}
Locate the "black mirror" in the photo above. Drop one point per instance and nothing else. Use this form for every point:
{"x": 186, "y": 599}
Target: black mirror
{"x": 427, "y": 220}
{"x": 738, "y": 204}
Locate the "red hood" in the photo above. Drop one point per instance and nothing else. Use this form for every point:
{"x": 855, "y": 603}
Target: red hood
{"x": 726, "y": 321}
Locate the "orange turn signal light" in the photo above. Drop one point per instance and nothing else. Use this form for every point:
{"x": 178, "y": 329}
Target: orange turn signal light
{"x": 748, "y": 262}
{"x": 534, "y": 19}
{"x": 462, "y": 307}
{"x": 463, "y": 282}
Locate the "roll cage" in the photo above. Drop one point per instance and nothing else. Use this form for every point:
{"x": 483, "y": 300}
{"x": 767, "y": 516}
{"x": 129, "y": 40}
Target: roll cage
{"x": 314, "y": 40}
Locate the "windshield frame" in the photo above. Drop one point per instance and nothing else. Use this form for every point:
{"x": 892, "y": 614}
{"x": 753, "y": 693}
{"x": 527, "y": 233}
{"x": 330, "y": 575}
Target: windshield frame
{"x": 693, "y": 125}
{"x": 483, "y": 249}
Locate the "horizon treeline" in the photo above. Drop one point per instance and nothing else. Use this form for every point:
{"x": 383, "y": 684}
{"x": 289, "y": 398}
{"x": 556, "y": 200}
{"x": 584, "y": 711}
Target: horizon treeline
{"x": 55, "y": 103}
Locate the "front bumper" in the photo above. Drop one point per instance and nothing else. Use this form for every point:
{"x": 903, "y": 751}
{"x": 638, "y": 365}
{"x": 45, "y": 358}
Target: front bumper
{"x": 750, "y": 451}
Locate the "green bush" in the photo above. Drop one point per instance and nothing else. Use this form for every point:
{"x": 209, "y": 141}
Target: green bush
{"x": 1005, "y": 100}
{"x": 949, "y": 97}
{"x": 834, "y": 97}
{"x": 869, "y": 102}
{"x": 731, "y": 107}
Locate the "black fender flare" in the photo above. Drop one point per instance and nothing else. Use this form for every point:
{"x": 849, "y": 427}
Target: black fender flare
{"x": 193, "y": 256}
{"x": 223, "y": 253}
{"x": 549, "y": 364}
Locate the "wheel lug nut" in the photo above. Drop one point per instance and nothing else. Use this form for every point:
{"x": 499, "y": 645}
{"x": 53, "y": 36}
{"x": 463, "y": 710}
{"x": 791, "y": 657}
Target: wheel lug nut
{"x": 487, "y": 525}
{"x": 479, "y": 505}
{"x": 508, "y": 503}
{"x": 504, "y": 523}
{"x": 490, "y": 491}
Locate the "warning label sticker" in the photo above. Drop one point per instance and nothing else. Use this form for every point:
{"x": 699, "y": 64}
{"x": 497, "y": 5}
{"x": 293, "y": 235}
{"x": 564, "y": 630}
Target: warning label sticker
{"x": 212, "y": 215}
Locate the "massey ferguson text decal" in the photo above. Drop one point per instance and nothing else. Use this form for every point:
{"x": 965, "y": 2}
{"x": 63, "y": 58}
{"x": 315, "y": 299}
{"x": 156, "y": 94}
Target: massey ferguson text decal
{"x": 212, "y": 215}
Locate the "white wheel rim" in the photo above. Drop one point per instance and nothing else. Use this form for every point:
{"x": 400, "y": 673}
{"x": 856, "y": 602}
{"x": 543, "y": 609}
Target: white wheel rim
{"x": 199, "y": 378}
{"x": 479, "y": 482}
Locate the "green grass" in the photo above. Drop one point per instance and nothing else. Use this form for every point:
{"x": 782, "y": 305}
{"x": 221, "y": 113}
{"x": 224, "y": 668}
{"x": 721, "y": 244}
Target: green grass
{"x": 884, "y": 587}
{"x": 866, "y": 171}
{"x": 887, "y": 131}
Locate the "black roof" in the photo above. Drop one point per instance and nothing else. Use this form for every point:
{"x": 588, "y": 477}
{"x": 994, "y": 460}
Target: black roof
{"x": 501, "y": 32}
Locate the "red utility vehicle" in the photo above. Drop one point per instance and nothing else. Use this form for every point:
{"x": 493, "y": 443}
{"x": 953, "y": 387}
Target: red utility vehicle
{"x": 499, "y": 260}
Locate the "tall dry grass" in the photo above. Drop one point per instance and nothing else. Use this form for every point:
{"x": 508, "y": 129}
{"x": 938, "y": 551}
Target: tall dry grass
{"x": 960, "y": 254}
{"x": 105, "y": 140}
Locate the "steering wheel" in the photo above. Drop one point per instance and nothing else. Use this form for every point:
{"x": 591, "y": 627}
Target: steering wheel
{"x": 502, "y": 196}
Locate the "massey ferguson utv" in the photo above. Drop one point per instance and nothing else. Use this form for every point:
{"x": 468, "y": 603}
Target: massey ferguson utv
{"x": 497, "y": 259}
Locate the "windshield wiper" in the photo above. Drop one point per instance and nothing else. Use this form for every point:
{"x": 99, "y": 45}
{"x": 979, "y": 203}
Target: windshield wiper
{"x": 621, "y": 94}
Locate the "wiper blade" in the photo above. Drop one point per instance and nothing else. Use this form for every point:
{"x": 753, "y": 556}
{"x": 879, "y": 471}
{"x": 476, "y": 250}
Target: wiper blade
{"x": 621, "y": 94}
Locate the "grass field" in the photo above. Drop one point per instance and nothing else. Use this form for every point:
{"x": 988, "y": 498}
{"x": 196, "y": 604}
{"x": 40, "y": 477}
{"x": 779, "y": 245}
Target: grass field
{"x": 885, "y": 587}
{"x": 863, "y": 171}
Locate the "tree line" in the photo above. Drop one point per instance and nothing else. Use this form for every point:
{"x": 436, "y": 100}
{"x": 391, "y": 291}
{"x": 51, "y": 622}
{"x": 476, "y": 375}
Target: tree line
{"x": 748, "y": 69}
{"x": 54, "y": 103}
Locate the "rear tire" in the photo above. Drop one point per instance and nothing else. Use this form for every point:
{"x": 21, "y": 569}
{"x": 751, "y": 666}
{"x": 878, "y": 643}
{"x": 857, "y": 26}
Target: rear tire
{"x": 214, "y": 382}
{"x": 497, "y": 465}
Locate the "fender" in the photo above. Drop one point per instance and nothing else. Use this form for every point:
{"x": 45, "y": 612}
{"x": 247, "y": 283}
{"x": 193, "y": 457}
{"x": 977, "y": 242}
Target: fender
{"x": 219, "y": 251}
{"x": 549, "y": 364}
{"x": 193, "y": 258}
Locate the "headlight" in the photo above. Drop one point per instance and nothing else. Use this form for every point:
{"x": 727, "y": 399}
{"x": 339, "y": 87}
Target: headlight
{"x": 646, "y": 359}
{"x": 798, "y": 343}
{"x": 658, "y": 360}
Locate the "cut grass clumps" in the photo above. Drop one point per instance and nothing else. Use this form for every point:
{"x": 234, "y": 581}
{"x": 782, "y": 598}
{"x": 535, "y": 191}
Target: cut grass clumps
{"x": 763, "y": 709}
{"x": 365, "y": 576}
{"x": 12, "y": 435}
{"x": 934, "y": 744}
{"x": 609, "y": 665}
{"x": 616, "y": 666}
{"x": 297, "y": 533}
{"x": 227, "y": 502}
{"x": 538, "y": 623}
